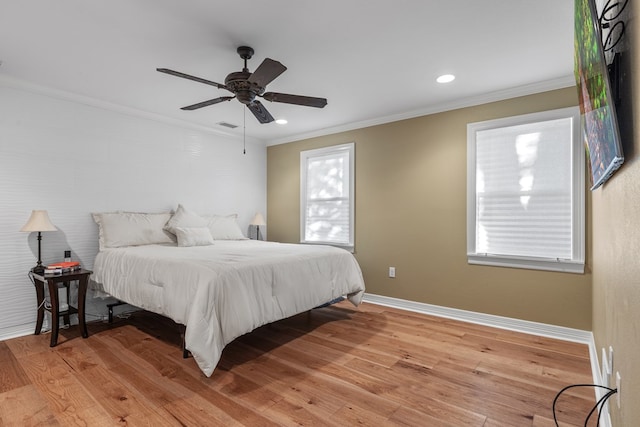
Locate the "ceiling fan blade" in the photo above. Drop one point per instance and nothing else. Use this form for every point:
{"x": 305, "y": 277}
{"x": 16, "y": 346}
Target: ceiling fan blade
{"x": 260, "y": 112}
{"x": 307, "y": 101}
{"x": 187, "y": 76}
{"x": 207, "y": 103}
{"x": 266, "y": 72}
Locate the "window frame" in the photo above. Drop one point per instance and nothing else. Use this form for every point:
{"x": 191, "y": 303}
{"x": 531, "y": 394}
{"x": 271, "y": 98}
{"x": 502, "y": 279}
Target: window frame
{"x": 578, "y": 208}
{"x": 322, "y": 152}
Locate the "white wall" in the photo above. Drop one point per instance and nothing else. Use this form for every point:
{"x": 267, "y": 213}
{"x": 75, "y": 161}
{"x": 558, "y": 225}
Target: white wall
{"x": 72, "y": 159}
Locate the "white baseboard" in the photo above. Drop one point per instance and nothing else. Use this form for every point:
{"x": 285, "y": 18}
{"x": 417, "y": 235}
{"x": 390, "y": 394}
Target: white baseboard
{"x": 596, "y": 371}
{"x": 19, "y": 331}
{"x": 528, "y": 327}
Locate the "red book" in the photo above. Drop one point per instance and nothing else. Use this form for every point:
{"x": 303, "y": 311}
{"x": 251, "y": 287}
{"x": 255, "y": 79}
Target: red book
{"x": 66, "y": 264}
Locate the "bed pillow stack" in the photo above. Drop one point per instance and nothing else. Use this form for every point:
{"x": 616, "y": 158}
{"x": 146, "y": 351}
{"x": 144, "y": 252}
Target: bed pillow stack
{"x": 120, "y": 229}
{"x": 218, "y": 227}
{"x": 189, "y": 228}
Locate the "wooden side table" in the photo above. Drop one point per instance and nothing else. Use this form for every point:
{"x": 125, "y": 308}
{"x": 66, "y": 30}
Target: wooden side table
{"x": 54, "y": 282}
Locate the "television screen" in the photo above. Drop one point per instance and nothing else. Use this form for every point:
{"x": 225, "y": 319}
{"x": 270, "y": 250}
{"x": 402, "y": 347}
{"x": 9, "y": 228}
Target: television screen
{"x": 598, "y": 116}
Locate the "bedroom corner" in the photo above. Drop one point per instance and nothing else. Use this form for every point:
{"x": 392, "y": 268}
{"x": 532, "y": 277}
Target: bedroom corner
{"x": 72, "y": 156}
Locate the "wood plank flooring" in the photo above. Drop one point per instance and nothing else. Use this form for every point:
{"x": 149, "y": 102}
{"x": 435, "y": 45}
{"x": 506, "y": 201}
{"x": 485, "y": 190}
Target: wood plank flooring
{"x": 339, "y": 366}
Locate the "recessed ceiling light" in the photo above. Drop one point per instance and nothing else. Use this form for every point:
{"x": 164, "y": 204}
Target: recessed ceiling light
{"x": 282, "y": 121}
{"x": 446, "y": 78}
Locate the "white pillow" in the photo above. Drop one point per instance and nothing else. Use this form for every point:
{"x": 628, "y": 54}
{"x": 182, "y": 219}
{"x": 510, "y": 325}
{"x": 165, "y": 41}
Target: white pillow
{"x": 118, "y": 229}
{"x": 184, "y": 218}
{"x": 224, "y": 227}
{"x": 193, "y": 236}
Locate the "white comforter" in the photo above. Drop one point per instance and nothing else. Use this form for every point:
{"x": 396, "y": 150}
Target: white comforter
{"x": 227, "y": 289}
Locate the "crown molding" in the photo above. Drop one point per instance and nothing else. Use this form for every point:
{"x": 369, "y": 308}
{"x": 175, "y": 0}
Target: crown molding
{"x": 14, "y": 83}
{"x": 501, "y": 95}
{"x": 530, "y": 89}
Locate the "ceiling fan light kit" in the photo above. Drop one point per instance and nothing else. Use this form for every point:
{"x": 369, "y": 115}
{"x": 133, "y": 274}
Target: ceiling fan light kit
{"x": 246, "y": 86}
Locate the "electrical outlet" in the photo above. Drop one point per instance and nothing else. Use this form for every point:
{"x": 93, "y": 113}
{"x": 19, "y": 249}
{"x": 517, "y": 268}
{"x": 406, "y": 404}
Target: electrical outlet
{"x": 618, "y": 380}
{"x": 392, "y": 272}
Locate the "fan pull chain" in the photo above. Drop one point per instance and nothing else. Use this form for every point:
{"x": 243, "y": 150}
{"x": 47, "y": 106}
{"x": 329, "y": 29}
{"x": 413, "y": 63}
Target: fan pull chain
{"x": 244, "y": 130}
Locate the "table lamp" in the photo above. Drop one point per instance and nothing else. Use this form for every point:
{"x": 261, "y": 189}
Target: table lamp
{"x": 258, "y": 220}
{"x": 39, "y": 221}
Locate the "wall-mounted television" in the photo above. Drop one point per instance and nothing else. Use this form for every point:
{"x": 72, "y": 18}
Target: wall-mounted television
{"x": 600, "y": 129}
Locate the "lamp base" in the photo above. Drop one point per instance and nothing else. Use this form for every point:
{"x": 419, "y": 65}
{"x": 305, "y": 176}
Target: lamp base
{"x": 38, "y": 269}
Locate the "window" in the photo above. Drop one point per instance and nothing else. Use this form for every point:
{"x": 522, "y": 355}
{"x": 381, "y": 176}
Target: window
{"x": 525, "y": 192}
{"x": 327, "y": 196}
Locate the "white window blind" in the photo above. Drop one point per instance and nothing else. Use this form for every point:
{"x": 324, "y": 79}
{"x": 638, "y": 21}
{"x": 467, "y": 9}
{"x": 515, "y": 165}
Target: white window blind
{"x": 526, "y": 192}
{"x": 326, "y": 195}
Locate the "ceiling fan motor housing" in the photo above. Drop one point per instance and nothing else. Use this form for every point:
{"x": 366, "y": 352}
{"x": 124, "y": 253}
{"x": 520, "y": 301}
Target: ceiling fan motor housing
{"x": 244, "y": 90}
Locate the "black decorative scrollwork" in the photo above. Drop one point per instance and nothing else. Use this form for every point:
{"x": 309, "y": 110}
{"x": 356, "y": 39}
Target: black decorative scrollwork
{"x": 611, "y": 23}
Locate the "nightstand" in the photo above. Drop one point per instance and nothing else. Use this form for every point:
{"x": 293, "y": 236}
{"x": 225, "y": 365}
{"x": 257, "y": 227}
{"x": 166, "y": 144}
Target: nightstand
{"x": 54, "y": 282}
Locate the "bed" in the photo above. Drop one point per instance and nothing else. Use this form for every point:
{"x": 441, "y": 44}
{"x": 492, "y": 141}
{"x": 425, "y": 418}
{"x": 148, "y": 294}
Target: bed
{"x": 218, "y": 288}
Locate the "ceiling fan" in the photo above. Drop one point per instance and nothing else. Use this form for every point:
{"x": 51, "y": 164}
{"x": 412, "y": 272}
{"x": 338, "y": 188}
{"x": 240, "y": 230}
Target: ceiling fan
{"x": 246, "y": 86}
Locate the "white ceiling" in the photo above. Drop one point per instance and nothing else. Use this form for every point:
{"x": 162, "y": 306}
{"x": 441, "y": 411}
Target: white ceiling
{"x": 374, "y": 61}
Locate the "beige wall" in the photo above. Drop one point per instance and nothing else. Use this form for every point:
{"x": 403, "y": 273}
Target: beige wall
{"x": 616, "y": 265}
{"x": 411, "y": 214}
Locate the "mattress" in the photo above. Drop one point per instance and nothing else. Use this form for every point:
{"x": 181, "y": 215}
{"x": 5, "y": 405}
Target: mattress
{"x": 222, "y": 291}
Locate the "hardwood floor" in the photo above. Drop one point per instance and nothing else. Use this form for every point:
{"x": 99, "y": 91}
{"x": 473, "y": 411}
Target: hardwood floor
{"x": 340, "y": 366}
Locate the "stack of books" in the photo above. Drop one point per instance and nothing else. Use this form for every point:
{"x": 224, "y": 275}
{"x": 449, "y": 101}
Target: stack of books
{"x": 62, "y": 267}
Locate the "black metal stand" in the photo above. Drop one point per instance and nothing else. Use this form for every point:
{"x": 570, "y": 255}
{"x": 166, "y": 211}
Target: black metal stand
{"x": 110, "y": 307}
{"x": 39, "y": 268}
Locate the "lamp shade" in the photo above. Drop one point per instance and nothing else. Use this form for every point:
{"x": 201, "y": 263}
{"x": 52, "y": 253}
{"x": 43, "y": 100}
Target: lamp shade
{"x": 258, "y": 219}
{"x": 39, "y": 221}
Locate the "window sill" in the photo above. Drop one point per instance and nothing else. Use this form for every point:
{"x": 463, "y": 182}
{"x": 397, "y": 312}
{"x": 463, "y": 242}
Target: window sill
{"x": 565, "y": 266}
